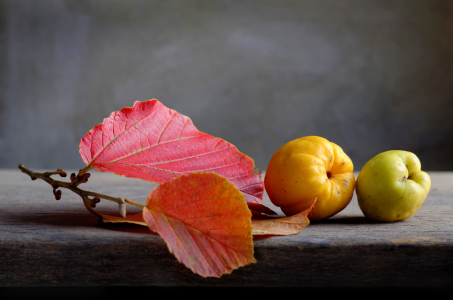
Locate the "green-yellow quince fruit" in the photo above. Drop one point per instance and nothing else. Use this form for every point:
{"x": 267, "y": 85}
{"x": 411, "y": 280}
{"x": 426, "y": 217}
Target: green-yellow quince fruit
{"x": 391, "y": 186}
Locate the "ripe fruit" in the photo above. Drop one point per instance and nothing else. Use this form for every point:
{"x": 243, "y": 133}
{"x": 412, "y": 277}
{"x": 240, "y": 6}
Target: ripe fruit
{"x": 391, "y": 186}
{"x": 306, "y": 169}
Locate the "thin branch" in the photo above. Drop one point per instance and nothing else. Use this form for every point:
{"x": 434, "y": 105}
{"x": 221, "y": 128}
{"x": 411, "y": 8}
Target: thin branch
{"x": 76, "y": 180}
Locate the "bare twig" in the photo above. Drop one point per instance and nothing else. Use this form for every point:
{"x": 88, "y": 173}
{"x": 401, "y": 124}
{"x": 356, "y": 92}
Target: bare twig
{"x": 75, "y": 181}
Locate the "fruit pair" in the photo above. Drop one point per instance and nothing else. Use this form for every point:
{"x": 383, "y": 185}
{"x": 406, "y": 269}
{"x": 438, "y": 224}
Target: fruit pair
{"x": 389, "y": 187}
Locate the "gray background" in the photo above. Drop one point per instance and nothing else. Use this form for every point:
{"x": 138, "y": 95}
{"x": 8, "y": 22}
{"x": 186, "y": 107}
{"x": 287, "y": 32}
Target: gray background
{"x": 370, "y": 76}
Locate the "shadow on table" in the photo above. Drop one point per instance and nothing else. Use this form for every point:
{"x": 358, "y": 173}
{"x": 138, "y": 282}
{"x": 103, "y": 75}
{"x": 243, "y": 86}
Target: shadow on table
{"x": 353, "y": 220}
{"x": 125, "y": 227}
{"x": 75, "y": 219}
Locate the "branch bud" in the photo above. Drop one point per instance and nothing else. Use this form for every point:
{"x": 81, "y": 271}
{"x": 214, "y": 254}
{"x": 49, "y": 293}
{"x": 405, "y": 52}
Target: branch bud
{"x": 85, "y": 177}
{"x": 94, "y": 201}
{"x": 57, "y": 194}
{"x": 61, "y": 172}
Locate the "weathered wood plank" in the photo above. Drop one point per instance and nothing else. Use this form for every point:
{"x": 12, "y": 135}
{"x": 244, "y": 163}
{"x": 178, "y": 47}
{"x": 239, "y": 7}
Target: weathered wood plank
{"x": 44, "y": 242}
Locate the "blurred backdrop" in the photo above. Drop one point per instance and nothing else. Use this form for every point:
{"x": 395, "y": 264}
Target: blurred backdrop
{"x": 368, "y": 75}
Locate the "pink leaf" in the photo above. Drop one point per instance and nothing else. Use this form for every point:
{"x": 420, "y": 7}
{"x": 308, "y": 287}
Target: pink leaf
{"x": 152, "y": 142}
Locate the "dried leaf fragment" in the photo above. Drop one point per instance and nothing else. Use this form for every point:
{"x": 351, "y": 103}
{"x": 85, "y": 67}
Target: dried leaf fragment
{"x": 282, "y": 226}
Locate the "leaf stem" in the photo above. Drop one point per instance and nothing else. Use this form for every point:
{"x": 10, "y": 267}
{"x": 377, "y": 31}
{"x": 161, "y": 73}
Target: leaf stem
{"x": 134, "y": 203}
{"x": 84, "y": 170}
{"x": 82, "y": 193}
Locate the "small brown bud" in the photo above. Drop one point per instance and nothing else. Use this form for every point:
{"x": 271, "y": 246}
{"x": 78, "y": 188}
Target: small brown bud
{"x": 85, "y": 177}
{"x": 57, "y": 194}
{"x": 61, "y": 172}
{"x": 94, "y": 201}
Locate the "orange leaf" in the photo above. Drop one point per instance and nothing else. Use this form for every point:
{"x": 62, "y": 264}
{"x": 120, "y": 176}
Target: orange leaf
{"x": 205, "y": 222}
{"x": 282, "y": 226}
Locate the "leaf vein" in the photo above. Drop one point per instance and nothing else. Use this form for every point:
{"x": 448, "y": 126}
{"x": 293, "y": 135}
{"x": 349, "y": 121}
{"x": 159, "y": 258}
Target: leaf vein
{"x": 165, "y": 128}
{"x": 119, "y": 134}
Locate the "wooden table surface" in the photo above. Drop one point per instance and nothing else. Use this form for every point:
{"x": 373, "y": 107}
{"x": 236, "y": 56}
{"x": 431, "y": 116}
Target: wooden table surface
{"x": 44, "y": 242}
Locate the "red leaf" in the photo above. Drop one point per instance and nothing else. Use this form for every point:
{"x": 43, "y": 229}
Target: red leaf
{"x": 205, "y": 222}
{"x": 154, "y": 143}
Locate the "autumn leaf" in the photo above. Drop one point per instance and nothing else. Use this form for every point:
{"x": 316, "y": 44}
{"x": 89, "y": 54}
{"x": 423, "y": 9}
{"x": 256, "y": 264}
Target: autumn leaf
{"x": 257, "y": 210}
{"x": 205, "y": 222}
{"x": 152, "y": 142}
{"x": 268, "y": 226}
{"x": 282, "y": 226}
